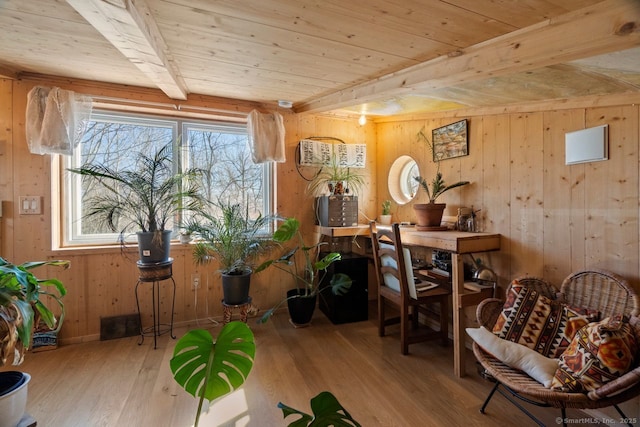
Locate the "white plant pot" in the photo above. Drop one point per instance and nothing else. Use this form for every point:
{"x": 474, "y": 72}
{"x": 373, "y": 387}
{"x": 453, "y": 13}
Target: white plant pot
{"x": 13, "y": 404}
{"x": 385, "y": 219}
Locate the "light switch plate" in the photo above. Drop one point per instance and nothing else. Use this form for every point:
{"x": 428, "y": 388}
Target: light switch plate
{"x": 30, "y": 205}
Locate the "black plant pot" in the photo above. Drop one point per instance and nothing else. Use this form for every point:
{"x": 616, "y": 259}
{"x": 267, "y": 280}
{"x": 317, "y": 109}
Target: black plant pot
{"x": 235, "y": 288}
{"x": 301, "y": 307}
{"x": 154, "y": 247}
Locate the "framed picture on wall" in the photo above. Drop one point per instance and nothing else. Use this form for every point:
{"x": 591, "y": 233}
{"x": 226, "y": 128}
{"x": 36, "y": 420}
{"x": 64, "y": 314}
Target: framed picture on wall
{"x": 450, "y": 141}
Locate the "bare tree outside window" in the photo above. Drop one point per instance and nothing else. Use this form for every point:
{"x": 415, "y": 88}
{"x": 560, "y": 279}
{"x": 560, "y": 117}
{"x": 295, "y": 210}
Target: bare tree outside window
{"x": 114, "y": 145}
{"x": 115, "y": 139}
{"x": 230, "y": 174}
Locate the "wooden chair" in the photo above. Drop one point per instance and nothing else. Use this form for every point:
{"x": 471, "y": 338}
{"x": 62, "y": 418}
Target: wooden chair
{"x": 394, "y": 274}
{"x": 596, "y": 289}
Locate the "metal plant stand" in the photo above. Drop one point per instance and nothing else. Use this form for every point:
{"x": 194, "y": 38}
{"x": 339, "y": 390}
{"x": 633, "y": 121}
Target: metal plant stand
{"x": 155, "y": 273}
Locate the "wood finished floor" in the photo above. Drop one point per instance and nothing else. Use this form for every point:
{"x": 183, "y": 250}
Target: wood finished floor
{"x": 120, "y": 383}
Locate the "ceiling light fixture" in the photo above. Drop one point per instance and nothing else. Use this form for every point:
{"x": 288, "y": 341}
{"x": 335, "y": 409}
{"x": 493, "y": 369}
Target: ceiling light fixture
{"x": 362, "y": 120}
{"x": 285, "y": 104}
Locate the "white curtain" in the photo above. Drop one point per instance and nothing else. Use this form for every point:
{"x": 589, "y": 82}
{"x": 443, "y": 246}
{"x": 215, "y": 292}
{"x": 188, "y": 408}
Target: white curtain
{"x": 55, "y": 120}
{"x": 266, "y": 136}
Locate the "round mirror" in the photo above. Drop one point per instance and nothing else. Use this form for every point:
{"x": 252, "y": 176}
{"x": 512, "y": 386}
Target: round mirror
{"x": 402, "y": 184}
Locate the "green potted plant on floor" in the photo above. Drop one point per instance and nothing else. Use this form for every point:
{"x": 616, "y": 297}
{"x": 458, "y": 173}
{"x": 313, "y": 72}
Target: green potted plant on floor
{"x": 429, "y": 215}
{"x": 145, "y": 197}
{"x": 306, "y": 266}
{"x": 227, "y": 232}
{"x": 22, "y": 306}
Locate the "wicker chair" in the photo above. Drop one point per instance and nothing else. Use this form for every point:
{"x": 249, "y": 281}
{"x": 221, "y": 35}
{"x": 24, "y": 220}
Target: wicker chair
{"x": 595, "y": 289}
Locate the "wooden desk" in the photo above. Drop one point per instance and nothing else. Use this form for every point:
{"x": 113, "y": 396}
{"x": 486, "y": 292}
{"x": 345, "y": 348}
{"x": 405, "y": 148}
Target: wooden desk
{"x": 456, "y": 242}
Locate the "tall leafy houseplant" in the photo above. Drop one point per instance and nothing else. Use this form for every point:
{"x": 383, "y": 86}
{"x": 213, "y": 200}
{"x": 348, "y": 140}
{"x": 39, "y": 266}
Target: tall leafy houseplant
{"x": 304, "y": 265}
{"x": 228, "y": 233}
{"x": 430, "y": 214}
{"x": 21, "y": 306}
{"x": 147, "y": 196}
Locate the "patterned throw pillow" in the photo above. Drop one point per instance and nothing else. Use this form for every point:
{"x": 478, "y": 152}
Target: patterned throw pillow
{"x": 535, "y": 321}
{"x": 599, "y": 352}
{"x": 573, "y": 319}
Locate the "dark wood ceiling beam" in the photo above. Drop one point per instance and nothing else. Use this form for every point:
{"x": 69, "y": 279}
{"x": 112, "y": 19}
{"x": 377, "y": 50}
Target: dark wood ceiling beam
{"x": 611, "y": 25}
{"x": 7, "y": 72}
{"x": 129, "y": 26}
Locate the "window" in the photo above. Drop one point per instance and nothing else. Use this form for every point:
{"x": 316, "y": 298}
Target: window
{"x": 219, "y": 149}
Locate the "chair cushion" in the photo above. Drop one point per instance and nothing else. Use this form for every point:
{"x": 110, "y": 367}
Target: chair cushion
{"x": 391, "y": 281}
{"x": 537, "y": 366}
{"x": 533, "y": 320}
{"x": 600, "y": 352}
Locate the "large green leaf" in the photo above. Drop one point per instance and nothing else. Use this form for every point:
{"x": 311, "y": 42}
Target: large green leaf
{"x": 210, "y": 369}
{"x": 327, "y": 411}
{"x": 287, "y": 230}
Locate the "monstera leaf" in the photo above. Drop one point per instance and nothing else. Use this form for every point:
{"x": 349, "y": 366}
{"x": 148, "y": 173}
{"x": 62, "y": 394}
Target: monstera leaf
{"x": 208, "y": 368}
{"x": 327, "y": 411}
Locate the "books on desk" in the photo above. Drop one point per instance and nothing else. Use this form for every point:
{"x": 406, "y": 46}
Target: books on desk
{"x": 476, "y": 287}
{"x": 435, "y": 273}
{"x": 425, "y": 286}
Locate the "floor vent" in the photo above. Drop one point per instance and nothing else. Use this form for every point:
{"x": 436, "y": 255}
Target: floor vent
{"x": 113, "y": 327}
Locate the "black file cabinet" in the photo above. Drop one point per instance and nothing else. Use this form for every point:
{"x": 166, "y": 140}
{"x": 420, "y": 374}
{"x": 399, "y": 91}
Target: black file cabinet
{"x": 354, "y": 305}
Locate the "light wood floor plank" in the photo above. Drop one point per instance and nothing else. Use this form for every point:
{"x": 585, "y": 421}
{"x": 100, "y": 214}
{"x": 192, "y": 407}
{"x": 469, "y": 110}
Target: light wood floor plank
{"x": 119, "y": 383}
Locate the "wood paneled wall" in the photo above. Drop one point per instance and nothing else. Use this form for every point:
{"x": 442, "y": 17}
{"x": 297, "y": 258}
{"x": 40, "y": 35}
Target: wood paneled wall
{"x": 554, "y": 218}
{"x": 101, "y": 281}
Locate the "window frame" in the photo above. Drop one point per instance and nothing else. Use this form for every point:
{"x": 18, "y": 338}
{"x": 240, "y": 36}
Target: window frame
{"x": 67, "y": 221}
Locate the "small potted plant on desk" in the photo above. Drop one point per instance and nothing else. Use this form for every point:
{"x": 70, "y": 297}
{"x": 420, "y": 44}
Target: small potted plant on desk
{"x": 385, "y": 217}
{"x": 21, "y": 309}
{"x": 429, "y": 215}
{"x": 227, "y": 232}
{"x": 304, "y": 265}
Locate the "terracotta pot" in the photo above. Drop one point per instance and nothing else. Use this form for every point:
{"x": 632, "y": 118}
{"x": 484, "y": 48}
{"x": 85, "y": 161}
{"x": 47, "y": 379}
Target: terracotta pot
{"x": 429, "y": 214}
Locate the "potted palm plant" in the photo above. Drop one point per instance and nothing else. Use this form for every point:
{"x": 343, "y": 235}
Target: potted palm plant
{"x": 147, "y": 196}
{"x": 21, "y": 308}
{"x": 429, "y": 215}
{"x": 227, "y": 232}
{"x": 304, "y": 265}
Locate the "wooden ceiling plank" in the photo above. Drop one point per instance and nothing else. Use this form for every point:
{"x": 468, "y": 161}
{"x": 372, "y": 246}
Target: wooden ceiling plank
{"x": 608, "y": 26}
{"x": 129, "y": 26}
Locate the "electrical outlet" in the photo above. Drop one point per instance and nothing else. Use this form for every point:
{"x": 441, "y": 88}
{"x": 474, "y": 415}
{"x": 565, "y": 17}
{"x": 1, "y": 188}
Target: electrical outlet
{"x": 195, "y": 281}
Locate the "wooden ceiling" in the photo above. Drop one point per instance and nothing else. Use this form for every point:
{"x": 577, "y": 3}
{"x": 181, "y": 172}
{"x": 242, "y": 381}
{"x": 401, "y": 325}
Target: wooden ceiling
{"x": 381, "y": 57}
